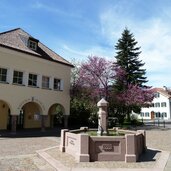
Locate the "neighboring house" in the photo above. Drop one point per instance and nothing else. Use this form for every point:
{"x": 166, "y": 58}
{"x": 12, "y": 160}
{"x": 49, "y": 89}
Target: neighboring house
{"x": 160, "y": 107}
{"x": 34, "y": 82}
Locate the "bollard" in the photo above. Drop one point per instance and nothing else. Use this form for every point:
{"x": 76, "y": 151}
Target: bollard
{"x": 164, "y": 123}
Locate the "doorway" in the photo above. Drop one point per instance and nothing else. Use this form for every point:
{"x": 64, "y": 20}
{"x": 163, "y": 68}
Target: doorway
{"x": 56, "y": 113}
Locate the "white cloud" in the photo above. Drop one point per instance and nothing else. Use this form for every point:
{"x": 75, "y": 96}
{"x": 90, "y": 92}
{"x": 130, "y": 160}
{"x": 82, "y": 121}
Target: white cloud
{"x": 113, "y": 20}
{"x": 152, "y": 34}
{"x": 69, "y": 52}
{"x": 155, "y": 41}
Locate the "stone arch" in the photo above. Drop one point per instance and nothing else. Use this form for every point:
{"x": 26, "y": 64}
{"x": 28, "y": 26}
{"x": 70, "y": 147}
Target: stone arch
{"x": 30, "y": 115}
{"x": 34, "y": 100}
{"x": 5, "y": 114}
{"x": 56, "y": 114}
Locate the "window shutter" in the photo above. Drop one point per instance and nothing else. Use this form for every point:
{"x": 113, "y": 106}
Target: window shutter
{"x": 39, "y": 81}
{"x": 62, "y": 85}
{"x": 51, "y": 83}
{"x": 9, "y": 76}
{"x": 25, "y": 78}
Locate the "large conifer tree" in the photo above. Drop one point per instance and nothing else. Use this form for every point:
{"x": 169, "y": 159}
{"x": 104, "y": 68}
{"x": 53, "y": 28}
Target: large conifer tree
{"x": 128, "y": 59}
{"x": 129, "y": 74}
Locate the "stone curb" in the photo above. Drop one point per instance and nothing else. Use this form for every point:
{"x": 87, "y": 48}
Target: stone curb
{"x": 54, "y": 163}
{"x": 57, "y": 165}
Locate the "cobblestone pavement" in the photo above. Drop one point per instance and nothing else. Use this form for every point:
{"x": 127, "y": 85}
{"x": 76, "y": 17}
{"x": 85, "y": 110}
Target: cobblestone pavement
{"x": 69, "y": 161}
{"x": 160, "y": 139}
{"x": 19, "y": 154}
{"x": 157, "y": 140}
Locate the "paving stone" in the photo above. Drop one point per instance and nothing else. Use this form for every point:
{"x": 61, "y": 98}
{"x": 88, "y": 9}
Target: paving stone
{"x": 41, "y": 164}
{"x": 19, "y": 154}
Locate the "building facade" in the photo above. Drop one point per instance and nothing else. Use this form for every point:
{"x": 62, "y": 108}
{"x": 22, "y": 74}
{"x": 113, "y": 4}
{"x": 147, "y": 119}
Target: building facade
{"x": 34, "y": 82}
{"x": 160, "y": 107}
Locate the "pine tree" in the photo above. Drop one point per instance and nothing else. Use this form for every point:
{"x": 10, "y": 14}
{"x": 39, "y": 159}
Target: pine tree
{"x": 127, "y": 58}
{"x": 129, "y": 74}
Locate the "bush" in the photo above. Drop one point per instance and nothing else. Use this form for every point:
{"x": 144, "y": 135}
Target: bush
{"x": 132, "y": 122}
{"x": 82, "y": 113}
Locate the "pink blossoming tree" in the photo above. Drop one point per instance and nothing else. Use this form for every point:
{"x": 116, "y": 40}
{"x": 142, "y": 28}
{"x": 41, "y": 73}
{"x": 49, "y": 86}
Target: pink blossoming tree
{"x": 135, "y": 95}
{"x": 130, "y": 96}
{"x": 97, "y": 74}
{"x": 97, "y": 78}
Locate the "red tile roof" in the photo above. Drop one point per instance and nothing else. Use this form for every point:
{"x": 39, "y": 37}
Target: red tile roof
{"x": 165, "y": 92}
{"x": 17, "y": 39}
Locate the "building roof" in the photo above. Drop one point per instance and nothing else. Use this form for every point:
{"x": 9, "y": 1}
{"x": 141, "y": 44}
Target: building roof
{"x": 17, "y": 39}
{"x": 164, "y": 91}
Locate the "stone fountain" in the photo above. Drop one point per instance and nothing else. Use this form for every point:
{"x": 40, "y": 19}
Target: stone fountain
{"x": 102, "y": 147}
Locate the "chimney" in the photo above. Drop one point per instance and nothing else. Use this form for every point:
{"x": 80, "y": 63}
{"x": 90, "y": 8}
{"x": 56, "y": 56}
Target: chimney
{"x": 165, "y": 88}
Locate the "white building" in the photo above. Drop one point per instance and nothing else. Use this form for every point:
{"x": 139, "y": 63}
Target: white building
{"x": 160, "y": 107}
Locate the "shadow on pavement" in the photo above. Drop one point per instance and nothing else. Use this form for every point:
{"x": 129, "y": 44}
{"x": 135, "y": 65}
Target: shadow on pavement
{"x": 51, "y": 132}
{"x": 148, "y": 156}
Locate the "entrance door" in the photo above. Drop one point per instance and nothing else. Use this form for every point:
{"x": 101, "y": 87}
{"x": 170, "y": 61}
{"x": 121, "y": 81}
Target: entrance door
{"x": 152, "y": 115}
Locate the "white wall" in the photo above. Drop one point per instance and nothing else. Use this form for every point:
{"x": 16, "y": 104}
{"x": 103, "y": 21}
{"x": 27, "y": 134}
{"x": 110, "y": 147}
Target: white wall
{"x": 160, "y": 109}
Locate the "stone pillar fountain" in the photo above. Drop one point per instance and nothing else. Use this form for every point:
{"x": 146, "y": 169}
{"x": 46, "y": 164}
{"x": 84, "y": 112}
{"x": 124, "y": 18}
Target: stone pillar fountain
{"x": 84, "y": 147}
{"x": 102, "y": 117}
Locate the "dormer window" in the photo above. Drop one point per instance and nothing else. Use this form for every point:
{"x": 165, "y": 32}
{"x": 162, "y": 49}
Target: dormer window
{"x": 157, "y": 95}
{"x": 32, "y": 43}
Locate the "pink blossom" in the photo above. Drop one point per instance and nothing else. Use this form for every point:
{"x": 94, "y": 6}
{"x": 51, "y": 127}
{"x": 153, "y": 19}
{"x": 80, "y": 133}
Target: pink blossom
{"x": 135, "y": 95}
{"x": 97, "y": 74}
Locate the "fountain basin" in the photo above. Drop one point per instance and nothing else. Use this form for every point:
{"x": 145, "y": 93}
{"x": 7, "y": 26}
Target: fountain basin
{"x": 87, "y": 148}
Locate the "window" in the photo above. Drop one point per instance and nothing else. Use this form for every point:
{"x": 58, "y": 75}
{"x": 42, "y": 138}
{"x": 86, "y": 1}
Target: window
{"x": 152, "y": 105}
{"x": 57, "y": 84}
{"x": 164, "y": 114}
{"x": 45, "y": 82}
{"x": 3, "y": 74}
{"x": 32, "y": 80}
{"x": 156, "y": 95}
{"x": 157, "y": 114}
{"x": 163, "y": 104}
{"x": 18, "y": 77}
{"x": 157, "y": 105}
{"x": 147, "y": 114}
{"x": 32, "y": 45}
{"x": 142, "y": 114}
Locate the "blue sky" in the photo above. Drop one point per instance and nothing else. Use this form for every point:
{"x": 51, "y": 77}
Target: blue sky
{"x": 77, "y": 28}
